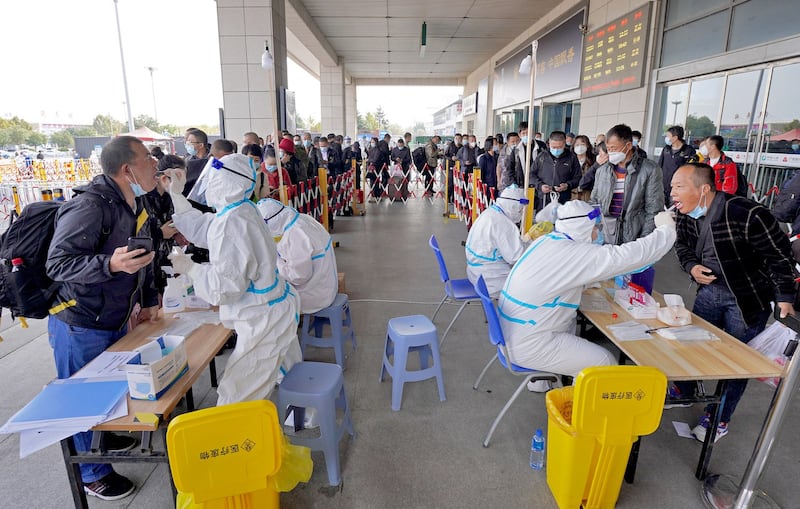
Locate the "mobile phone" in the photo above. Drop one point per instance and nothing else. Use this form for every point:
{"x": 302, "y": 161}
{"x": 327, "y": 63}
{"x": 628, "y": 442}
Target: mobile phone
{"x": 135, "y": 243}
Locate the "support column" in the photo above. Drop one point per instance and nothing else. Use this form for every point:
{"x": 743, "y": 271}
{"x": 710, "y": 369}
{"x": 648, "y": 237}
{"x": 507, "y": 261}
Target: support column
{"x": 351, "y": 109}
{"x": 332, "y": 98}
{"x": 244, "y": 27}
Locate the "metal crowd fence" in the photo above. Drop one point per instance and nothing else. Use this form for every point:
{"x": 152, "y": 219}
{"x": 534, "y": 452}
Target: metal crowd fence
{"x": 27, "y": 181}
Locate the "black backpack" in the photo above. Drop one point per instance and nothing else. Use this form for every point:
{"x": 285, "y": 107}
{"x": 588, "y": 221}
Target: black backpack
{"x": 27, "y": 290}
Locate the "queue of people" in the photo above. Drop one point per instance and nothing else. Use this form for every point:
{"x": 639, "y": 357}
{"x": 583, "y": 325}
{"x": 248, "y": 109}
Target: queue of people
{"x": 219, "y": 207}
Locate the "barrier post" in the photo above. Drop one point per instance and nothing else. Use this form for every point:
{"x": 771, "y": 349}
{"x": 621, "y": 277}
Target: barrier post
{"x": 446, "y": 187}
{"x": 357, "y": 205}
{"x": 527, "y": 220}
{"x": 323, "y": 193}
{"x": 476, "y": 178}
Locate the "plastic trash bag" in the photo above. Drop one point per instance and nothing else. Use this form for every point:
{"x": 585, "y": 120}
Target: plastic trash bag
{"x": 772, "y": 343}
{"x": 296, "y": 466}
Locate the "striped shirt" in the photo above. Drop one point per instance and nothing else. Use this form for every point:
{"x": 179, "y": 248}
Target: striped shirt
{"x": 618, "y": 198}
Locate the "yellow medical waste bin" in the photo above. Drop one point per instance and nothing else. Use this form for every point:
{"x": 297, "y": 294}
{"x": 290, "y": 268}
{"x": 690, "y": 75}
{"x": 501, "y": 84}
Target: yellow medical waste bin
{"x": 591, "y": 428}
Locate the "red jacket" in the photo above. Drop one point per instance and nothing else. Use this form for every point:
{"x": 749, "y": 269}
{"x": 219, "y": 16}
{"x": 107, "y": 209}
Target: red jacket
{"x": 726, "y": 175}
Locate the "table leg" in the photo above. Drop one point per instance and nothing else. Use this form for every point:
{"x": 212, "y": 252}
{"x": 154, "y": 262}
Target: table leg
{"x": 633, "y": 459}
{"x": 711, "y": 433}
{"x": 189, "y": 400}
{"x": 74, "y": 474}
{"x": 212, "y": 369}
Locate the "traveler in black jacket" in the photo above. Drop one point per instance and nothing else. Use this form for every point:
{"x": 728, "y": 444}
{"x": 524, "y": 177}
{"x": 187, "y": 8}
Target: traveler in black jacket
{"x": 735, "y": 251}
{"x": 555, "y": 170}
{"x": 675, "y": 154}
{"x": 101, "y": 280}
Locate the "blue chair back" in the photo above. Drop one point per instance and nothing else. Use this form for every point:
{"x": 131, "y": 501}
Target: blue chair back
{"x": 438, "y": 252}
{"x": 495, "y": 331}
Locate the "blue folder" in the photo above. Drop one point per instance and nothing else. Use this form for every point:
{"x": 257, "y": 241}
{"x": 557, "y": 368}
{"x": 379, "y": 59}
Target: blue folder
{"x": 73, "y": 399}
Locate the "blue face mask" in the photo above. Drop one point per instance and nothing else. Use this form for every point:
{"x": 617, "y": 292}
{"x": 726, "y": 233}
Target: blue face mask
{"x": 556, "y": 152}
{"x": 136, "y": 188}
{"x": 795, "y": 146}
{"x": 698, "y": 211}
{"x": 272, "y": 168}
{"x": 190, "y": 149}
{"x": 307, "y": 143}
{"x": 524, "y": 139}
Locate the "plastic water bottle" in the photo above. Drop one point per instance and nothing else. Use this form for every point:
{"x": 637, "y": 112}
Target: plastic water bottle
{"x": 537, "y": 451}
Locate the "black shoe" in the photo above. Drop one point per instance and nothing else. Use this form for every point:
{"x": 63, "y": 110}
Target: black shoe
{"x": 111, "y": 487}
{"x": 119, "y": 443}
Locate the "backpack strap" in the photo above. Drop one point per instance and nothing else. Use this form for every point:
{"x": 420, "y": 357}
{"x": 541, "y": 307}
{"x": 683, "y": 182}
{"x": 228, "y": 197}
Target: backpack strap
{"x": 105, "y": 215}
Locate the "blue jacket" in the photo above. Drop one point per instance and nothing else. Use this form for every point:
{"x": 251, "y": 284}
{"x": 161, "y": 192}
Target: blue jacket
{"x": 79, "y": 256}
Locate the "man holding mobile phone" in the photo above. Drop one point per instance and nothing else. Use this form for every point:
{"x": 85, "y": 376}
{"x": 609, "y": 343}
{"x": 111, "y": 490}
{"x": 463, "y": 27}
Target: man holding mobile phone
{"x": 102, "y": 279}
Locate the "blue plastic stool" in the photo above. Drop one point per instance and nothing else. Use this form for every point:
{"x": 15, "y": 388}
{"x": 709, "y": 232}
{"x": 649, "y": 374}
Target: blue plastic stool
{"x": 337, "y": 316}
{"x": 319, "y": 385}
{"x": 406, "y": 334}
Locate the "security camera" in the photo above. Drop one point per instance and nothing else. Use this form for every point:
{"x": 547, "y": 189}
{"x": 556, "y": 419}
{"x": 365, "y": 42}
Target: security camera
{"x": 583, "y": 28}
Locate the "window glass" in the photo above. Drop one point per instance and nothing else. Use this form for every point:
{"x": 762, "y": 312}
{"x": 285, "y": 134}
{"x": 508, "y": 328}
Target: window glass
{"x": 701, "y": 120}
{"x": 672, "y": 112}
{"x": 783, "y": 109}
{"x": 759, "y": 21}
{"x": 680, "y": 11}
{"x": 701, "y": 38}
{"x": 741, "y": 107}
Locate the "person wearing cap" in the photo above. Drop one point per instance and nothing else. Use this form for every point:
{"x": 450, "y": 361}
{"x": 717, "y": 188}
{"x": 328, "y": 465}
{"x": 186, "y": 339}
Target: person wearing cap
{"x": 305, "y": 254}
{"x": 294, "y": 167}
{"x": 494, "y": 243}
{"x": 539, "y": 300}
{"x": 242, "y": 278}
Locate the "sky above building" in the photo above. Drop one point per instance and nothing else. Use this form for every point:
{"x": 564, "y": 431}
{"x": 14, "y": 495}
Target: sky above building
{"x": 63, "y": 65}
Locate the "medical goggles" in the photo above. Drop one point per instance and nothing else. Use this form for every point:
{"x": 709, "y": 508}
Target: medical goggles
{"x": 595, "y": 215}
{"x": 522, "y": 201}
{"x": 217, "y": 165}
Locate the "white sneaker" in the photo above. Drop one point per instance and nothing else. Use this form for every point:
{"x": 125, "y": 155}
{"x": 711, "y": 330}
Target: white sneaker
{"x": 540, "y": 385}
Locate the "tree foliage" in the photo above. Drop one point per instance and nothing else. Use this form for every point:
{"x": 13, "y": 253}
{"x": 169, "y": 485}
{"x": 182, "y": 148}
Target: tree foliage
{"x": 106, "y": 125}
{"x": 62, "y": 139}
{"x": 700, "y": 127}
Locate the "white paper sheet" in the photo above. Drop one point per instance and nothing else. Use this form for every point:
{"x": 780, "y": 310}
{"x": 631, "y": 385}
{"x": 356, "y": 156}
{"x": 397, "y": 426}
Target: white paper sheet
{"x": 688, "y": 333}
{"x": 34, "y": 440}
{"x": 630, "y": 331}
{"x": 106, "y": 366}
{"x": 595, "y": 303}
{"x": 682, "y": 429}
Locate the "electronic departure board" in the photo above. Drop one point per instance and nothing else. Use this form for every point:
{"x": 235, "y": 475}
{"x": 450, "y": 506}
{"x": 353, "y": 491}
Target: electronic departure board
{"x": 614, "y": 54}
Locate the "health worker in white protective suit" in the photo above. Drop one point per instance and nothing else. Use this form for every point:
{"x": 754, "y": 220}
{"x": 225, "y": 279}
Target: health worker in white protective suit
{"x": 242, "y": 278}
{"x": 539, "y": 301}
{"x": 305, "y": 254}
{"x": 494, "y": 243}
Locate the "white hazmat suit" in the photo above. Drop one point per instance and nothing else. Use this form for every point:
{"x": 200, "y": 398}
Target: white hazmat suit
{"x": 242, "y": 279}
{"x": 540, "y": 299}
{"x": 305, "y": 254}
{"x": 494, "y": 243}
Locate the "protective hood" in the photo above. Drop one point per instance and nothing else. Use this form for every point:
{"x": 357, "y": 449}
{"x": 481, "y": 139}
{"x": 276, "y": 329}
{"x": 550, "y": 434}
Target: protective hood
{"x": 510, "y": 204}
{"x": 230, "y": 180}
{"x": 277, "y": 215}
{"x": 579, "y": 226}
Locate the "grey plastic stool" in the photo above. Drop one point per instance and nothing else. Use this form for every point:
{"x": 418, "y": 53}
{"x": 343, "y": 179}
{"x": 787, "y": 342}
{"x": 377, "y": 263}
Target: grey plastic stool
{"x": 406, "y": 334}
{"x": 337, "y": 315}
{"x": 319, "y": 385}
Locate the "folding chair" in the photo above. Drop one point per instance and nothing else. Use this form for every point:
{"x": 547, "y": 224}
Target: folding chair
{"x": 497, "y": 339}
{"x": 455, "y": 290}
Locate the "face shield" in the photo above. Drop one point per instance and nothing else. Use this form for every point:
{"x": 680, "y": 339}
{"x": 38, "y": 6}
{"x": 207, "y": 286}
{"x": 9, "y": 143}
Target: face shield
{"x": 578, "y": 220}
{"x": 198, "y": 192}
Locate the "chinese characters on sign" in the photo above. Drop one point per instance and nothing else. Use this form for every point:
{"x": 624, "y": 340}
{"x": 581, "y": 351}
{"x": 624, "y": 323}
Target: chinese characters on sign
{"x": 224, "y": 450}
{"x": 613, "y": 55}
{"x": 558, "y": 58}
{"x": 615, "y": 395}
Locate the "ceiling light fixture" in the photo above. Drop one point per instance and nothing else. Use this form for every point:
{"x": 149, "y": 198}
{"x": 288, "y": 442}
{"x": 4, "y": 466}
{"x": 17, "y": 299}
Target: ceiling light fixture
{"x": 423, "y": 40}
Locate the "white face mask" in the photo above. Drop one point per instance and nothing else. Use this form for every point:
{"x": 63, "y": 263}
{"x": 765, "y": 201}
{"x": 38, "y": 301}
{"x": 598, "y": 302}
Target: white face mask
{"x": 667, "y": 140}
{"x": 580, "y": 149}
{"x": 616, "y": 157}
{"x": 704, "y": 150}
{"x": 472, "y": 144}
